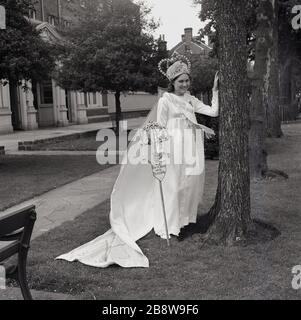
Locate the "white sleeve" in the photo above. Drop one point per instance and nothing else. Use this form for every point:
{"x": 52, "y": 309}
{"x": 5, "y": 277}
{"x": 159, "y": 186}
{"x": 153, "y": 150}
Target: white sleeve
{"x": 162, "y": 112}
{"x": 201, "y": 107}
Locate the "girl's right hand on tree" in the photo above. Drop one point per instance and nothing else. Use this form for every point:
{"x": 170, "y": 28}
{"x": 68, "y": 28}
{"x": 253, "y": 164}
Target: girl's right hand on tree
{"x": 209, "y": 135}
{"x": 216, "y": 81}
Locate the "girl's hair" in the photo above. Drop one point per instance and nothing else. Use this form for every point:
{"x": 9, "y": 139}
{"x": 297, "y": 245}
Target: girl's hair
{"x": 171, "y": 87}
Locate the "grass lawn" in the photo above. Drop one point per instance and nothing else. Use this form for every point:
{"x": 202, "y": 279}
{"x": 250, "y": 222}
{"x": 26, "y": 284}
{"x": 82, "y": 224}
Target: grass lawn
{"x": 23, "y": 177}
{"x": 89, "y": 143}
{"x": 85, "y": 143}
{"x": 260, "y": 270}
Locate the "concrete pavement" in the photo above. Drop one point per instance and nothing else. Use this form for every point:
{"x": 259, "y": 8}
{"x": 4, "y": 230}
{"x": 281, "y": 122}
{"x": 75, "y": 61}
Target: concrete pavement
{"x": 67, "y": 202}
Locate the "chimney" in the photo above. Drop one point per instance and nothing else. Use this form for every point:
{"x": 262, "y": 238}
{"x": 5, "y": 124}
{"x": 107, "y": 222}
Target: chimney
{"x": 42, "y": 10}
{"x": 59, "y": 10}
{"x": 188, "y": 35}
{"x": 183, "y": 37}
{"x": 162, "y": 44}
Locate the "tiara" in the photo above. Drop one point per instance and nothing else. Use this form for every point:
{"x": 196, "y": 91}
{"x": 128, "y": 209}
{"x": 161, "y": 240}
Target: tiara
{"x": 169, "y": 61}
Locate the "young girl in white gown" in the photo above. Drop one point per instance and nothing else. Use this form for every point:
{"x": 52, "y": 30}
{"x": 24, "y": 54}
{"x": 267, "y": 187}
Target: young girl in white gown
{"x": 136, "y": 206}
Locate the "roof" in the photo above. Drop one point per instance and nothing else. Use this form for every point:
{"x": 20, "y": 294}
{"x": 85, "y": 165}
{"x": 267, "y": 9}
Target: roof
{"x": 195, "y": 41}
{"x": 48, "y": 32}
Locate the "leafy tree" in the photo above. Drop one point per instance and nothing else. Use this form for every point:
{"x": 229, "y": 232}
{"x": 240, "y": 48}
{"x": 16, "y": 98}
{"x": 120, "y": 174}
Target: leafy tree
{"x": 111, "y": 48}
{"x": 23, "y": 54}
{"x": 208, "y": 14}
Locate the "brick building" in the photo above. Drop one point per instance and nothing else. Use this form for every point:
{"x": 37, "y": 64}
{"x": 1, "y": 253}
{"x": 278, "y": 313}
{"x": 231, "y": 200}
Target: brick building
{"x": 190, "y": 45}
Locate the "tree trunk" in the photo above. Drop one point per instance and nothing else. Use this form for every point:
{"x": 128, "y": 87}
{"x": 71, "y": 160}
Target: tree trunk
{"x": 289, "y": 53}
{"x": 117, "y": 111}
{"x": 260, "y": 81}
{"x": 230, "y": 214}
{"x": 15, "y": 105}
{"x": 273, "y": 119}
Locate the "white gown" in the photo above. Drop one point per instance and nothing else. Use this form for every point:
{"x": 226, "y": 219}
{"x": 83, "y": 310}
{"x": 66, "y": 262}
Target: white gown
{"x": 136, "y": 206}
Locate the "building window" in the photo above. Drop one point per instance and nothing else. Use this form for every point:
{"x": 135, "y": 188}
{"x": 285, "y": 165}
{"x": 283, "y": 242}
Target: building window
{"x": 92, "y": 98}
{"x": 46, "y": 92}
{"x": 51, "y": 20}
{"x": 105, "y": 99}
{"x": 187, "y": 48}
{"x": 32, "y": 14}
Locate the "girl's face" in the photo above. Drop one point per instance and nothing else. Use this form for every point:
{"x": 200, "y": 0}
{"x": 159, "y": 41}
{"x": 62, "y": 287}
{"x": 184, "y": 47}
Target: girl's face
{"x": 181, "y": 84}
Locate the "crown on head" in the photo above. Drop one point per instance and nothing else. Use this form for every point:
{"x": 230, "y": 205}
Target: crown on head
{"x": 174, "y": 66}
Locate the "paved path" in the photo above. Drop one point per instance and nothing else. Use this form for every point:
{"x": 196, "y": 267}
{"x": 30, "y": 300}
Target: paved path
{"x": 67, "y": 202}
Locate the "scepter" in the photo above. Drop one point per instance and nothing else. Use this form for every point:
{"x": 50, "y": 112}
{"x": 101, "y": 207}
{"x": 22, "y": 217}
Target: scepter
{"x": 155, "y": 135}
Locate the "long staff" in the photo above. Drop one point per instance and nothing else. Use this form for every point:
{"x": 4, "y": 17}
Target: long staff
{"x": 158, "y": 167}
{"x": 159, "y": 171}
{"x": 164, "y": 213}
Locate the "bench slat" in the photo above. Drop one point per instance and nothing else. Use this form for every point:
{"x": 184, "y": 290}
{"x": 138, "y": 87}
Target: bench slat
{"x": 15, "y": 220}
{"x": 9, "y": 250}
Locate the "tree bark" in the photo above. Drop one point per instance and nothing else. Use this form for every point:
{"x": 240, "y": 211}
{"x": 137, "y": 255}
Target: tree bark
{"x": 230, "y": 214}
{"x": 117, "y": 111}
{"x": 260, "y": 85}
{"x": 273, "y": 118}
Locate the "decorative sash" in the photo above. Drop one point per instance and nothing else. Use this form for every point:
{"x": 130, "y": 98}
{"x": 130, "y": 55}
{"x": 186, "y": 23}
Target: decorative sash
{"x": 185, "y": 107}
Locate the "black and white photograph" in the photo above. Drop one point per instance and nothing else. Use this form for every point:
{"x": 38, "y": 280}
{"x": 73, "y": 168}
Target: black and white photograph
{"x": 150, "y": 150}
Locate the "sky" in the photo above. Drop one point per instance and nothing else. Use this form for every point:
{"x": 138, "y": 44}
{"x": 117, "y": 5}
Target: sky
{"x": 175, "y": 15}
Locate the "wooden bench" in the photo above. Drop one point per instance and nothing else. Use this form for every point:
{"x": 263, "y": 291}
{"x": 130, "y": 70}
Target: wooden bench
{"x": 16, "y": 228}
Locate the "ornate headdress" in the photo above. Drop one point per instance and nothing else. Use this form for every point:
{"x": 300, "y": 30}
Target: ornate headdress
{"x": 175, "y": 66}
